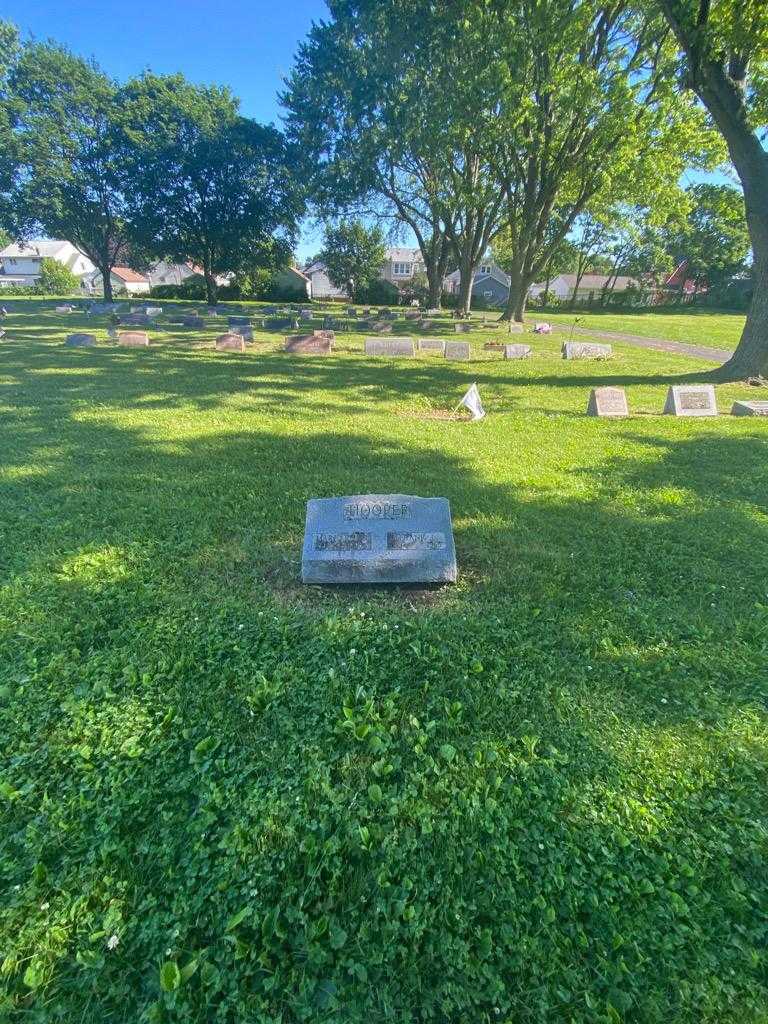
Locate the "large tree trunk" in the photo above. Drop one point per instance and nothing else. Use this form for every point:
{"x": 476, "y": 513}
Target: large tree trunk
{"x": 106, "y": 282}
{"x": 518, "y": 292}
{"x": 435, "y": 278}
{"x": 722, "y": 91}
{"x": 211, "y": 288}
{"x": 751, "y": 355}
{"x": 466, "y": 280}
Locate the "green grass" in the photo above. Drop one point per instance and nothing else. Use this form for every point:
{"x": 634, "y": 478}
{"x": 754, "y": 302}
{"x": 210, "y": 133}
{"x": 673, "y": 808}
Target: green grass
{"x": 695, "y": 327}
{"x": 538, "y": 795}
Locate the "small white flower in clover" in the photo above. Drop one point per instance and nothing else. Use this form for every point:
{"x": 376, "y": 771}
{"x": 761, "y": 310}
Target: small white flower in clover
{"x": 168, "y": 952}
{"x": 663, "y": 700}
{"x": 44, "y": 906}
{"x": 241, "y": 626}
{"x": 113, "y": 941}
{"x": 353, "y": 650}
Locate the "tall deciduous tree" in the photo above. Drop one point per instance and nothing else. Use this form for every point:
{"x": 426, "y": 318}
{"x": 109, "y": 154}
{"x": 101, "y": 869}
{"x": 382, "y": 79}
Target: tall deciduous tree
{"x": 724, "y": 44}
{"x": 714, "y": 239}
{"x": 62, "y": 172}
{"x": 574, "y": 112}
{"x": 353, "y": 255}
{"x": 209, "y": 185}
{"x": 365, "y": 110}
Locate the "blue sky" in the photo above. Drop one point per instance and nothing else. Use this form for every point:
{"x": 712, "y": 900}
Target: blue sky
{"x": 248, "y": 45}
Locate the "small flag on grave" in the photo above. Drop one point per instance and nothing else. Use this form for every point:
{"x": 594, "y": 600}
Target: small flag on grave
{"x": 471, "y": 401}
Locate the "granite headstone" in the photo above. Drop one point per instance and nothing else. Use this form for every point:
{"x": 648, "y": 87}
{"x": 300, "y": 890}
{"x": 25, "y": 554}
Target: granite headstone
{"x": 585, "y": 350}
{"x": 230, "y": 342}
{"x": 517, "y": 351}
{"x": 133, "y": 339}
{"x": 390, "y": 347}
{"x": 318, "y": 343}
{"x": 378, "y": 538}
{"x": 459, "y": 350}
{"x": 607, "y": 402}
{"x": 431, "y": 345}
{"x": 462, "y": 327}
{"x": 745, "y": 408}
{"x": 690, "y": 400}
{"x": 80, "y": 341}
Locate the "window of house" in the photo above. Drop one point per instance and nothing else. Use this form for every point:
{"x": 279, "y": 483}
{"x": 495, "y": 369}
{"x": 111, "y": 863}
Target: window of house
{"x": 485, "y": 269}
{"x": 402, "y": 269}
{"x": 487, "y": 295}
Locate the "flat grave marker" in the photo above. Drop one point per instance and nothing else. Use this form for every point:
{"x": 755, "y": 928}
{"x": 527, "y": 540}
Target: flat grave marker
{"x": 586, "y": 350}
{"x": 517, "y": 351}
{"x": 458, "y": 350}
{"x": 690, "y": 400}
{"x": 431, "y": 345}
{"x": 607, "y": 402}
{"x": 238, "y": 321}
{"x": 244, "y": 330}
{"x": 391, "y": 347}
{"x": 281, "y": 323}
{"x": 378, "y": 538}
{"x": 380, "y": 326}
{"x": 462, "y": 327}
{"x": 744, "y": 408}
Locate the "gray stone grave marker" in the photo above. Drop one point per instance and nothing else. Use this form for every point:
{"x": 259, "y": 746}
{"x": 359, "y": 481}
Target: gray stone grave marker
{"x": 744, "y": 408}
{"x": 380, "y": 326}
{"x": 426, "y": 325}
{"x": 80, "y": 341}
{"x": 462, "y": 327}
{"x": 459, "y": 350}
{"x": 607, "y": 402}
{"x": 390, "y": 347}
{"x": 238, "y": 321}
{"x": 431, "y": 345}
{"x": 517, "y": 351}
{"x": 244, "y": 330}
{"x": 282, "y": 323}
{"x": 230, "y": 342}
{"x": 305, "y": 314}
{"x": 318, "y": 343}
{"x": 691, "y": 400}
{"x": 378, "y": 538}
{"x": 586, "y": 350}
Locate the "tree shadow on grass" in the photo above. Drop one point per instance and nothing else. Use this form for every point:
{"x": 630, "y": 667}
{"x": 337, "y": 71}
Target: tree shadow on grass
{"x": 177, "y": 680}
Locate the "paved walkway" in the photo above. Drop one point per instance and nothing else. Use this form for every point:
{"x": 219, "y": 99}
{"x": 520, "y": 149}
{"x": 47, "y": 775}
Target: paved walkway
{"x": 717, "y": 355}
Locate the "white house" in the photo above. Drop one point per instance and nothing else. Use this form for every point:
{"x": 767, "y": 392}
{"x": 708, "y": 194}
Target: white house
{"x": 320, "y": 284}
{"x": 564, "y": 285}
{"x": 20, "y": 262}
{"x": 124, "y": 282}
{"x": 401, "y": 265}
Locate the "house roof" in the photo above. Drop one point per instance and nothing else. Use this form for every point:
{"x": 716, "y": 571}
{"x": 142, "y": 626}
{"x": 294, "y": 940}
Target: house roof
{"x": 597, "y": 281}
{"x": 129, "y": 276}
{"x": 404, "y": 255}
{"x": 42, "y": 247}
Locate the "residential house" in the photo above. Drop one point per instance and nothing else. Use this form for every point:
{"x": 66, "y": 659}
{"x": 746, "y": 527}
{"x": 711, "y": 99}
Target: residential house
{"x": 401, "y": 266}
{"x": 564, "y": 286}
{"x": 489, "y": 283}
{"x": 291, "y": 279}
{"x": 124, "y": 282}
{"x": 163, "y": 272}
{"x": 321, "y": 286}
{"x": 21, "y": 262}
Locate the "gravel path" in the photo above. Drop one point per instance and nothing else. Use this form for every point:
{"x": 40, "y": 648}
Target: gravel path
{"x": 717, "y": 355}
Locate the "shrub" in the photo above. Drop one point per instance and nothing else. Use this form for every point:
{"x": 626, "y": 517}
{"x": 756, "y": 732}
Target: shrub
{"x": 379, "y": 293}
{"x": 55, "y": 279}
{"x": 192, "y": 288}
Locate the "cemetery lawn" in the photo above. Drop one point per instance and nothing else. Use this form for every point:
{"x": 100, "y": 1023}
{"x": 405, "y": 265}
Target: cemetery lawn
{"x": 694, "y": 327}
{"x": 538, "y": 795}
